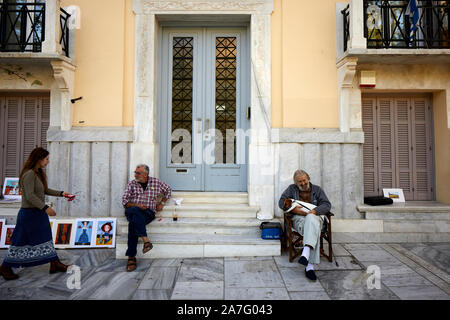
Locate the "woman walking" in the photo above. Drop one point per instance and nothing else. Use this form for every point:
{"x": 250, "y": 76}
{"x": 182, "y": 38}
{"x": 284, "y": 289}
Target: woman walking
{"x": 31, "y": 242}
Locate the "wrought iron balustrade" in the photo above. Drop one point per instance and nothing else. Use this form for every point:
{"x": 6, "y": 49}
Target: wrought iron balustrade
{"x": 397, "y": 24}
{"x": 346, "y": 21}
{"x": 22, "y": 27}
{"x": 64, "y": 22}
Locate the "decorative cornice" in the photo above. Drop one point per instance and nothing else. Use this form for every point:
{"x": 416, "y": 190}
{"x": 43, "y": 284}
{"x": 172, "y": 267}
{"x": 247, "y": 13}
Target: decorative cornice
{"x": 157, "y": 6}
{"x": 63, "y": 73}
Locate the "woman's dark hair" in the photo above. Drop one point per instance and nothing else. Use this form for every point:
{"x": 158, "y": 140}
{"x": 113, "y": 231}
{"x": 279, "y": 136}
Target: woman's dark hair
{"x": 35, "y": 156}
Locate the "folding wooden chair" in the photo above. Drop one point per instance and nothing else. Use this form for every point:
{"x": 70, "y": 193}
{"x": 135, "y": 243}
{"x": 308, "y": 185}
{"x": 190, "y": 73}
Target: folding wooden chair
{"x": 294, "y": 241}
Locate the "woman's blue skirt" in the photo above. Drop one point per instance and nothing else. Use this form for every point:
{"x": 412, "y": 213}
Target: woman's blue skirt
{"x": 31, "y": 241}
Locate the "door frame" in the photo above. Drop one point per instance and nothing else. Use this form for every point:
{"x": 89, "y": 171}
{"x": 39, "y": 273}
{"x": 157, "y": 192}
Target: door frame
{"x": 202, "y": 97}
{"x": 257, "y": 15}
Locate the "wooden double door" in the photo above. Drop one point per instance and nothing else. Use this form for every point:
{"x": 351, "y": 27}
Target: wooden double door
{"x": 398, "y": 148}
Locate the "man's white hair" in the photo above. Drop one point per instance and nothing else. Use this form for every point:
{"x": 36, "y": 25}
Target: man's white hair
{"x": 300, "y": 173}
{"x": 146, "y": 168}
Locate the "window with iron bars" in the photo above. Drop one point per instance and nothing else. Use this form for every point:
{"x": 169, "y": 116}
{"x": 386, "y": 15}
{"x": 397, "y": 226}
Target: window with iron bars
{"x": 391, "y": 24}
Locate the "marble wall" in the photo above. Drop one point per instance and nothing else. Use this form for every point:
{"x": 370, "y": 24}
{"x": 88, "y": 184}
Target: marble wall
{"x": 93, "y": 164}
{"x": 332, "y": 159}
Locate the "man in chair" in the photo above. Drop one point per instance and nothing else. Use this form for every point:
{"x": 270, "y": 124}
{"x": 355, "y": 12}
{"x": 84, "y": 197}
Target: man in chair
{"x": 309, "y": 224}
{"x": 140, "y": 200}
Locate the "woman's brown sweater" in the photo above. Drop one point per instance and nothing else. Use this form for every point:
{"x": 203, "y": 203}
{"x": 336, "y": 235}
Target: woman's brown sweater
{"x": 33, "y": 191}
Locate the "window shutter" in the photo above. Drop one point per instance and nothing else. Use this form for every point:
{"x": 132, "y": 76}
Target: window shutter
{"x": 12, "y": 149}
{"x": 386, "y": 150}
{"x": 421, "y": 122}
{"x": 403, "y": 147}
{"x": 44, "y": 116}
{"x": 29, "y": 133}
{"x": 2, "y": 138}
{"x": 369, "y": 148}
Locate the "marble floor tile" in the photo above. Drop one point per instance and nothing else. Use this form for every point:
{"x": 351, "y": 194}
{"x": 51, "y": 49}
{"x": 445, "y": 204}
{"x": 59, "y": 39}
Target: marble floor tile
{"x": 201, "y": 270}
{"x": 252, "y": 274}
{"x": 93, "y": 257}
{"x": 247, "y": 258}
{"x": 420, "y": 293}
{"x": 159, "y": 278}
{"x": 352, "y": 285}
{"x": 107, "y": 286}
{"x": 389, "y": 267}
{"x": 372, "y": 255}
{"x": 310, "y": 295}
{"x": 159, "y": 294}
{"x": 295, "y": 280}
{"x": 442, "y": 247}
{"x": 120, "y": 265}
{"x": 344, "y": 263}
{"x": 166, "y": 262}
{"x": 32, "y": 277}
{"x": 256, "y": 294}
{"x": 338, "y": 249}
{"x": 283, "y": 261}
{"x": 198, "y": 291}
{"x": 430, "y": 254}
{"x": 361, "y": 246}
{"x": 404, "y": 280}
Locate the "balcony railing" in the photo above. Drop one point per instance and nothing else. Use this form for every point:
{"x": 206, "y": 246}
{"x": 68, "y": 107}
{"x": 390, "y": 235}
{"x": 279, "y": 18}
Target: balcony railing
{"x": 64, "y": 22}
{"x": 22, "y": 27}
{"x": 395, "y": 24}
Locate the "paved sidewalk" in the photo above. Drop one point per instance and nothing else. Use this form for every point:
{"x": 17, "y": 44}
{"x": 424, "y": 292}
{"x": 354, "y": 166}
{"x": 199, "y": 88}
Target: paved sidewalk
{"x": 408, "y": 271}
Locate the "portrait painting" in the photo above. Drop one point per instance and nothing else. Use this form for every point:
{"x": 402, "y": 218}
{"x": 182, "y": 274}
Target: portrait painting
{"x": 105, "y": 235}
{"x": 84, "y": 231}
{"x": 11, "y": 189}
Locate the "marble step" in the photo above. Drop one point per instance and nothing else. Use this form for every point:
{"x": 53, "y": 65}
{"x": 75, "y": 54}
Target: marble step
{"x": 199, "y": 225}
{"x": 202, "y": 245}
{"x": 239, "y": 211}
{"x": 414, "y": 210}
{"x": 211, "y": 197}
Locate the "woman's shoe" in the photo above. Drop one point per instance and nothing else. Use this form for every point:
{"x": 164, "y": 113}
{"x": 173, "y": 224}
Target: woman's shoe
{"x": 7, "y": 273}
{"x": 57, "y": 266}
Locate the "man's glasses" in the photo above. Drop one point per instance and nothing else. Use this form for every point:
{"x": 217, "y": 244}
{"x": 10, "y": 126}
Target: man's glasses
{"x": 138, "y": 173}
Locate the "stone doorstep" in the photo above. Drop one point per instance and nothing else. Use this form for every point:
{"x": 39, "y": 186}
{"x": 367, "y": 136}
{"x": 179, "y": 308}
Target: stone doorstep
{"x": 211, "y": 197}
{"x": 407, "y": 207}
{"x": 199, "y": 245}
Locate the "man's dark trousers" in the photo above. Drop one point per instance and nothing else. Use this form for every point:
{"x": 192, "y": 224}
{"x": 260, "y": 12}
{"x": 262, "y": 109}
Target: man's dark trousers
{"x": 137, "y": 221}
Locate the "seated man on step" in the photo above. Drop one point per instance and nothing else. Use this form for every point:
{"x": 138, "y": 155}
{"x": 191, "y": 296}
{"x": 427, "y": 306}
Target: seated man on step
{"x": 308, "y": 224}
{"x": 140, "y": 200}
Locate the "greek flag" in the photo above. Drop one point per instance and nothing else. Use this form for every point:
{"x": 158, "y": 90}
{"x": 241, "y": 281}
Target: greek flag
{"x": 413, "y": 12}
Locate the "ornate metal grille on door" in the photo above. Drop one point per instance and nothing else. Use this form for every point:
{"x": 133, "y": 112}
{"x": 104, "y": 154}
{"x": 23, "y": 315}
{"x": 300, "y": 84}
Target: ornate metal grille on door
{"x": 182, "y": 83}
{"x": 225, "y": 110}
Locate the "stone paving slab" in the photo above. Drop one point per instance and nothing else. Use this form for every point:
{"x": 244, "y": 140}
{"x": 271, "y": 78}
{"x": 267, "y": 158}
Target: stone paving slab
{"x": 407, "y": 271}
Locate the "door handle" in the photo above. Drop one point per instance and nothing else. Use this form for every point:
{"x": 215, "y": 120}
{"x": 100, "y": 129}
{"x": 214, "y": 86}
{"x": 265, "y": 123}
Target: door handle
{"x": 199, "y": 125}
{"x": 207, "y": 124}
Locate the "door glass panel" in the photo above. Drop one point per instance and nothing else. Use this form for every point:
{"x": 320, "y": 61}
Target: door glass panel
{"x": 225, "y": 107}
{"x": 182, "y": 81}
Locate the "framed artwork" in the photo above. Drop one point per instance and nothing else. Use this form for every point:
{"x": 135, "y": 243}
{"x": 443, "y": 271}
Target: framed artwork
{"x": 11, "y": 189}
{"x": 52, "y": 224}
{"x": 2, "y": 223}
{"x": 7, "y": 232}
{"x": 395, "y": 194}
{"x": 63, "y": 233}
{"x": 105, "y": 233}
{"x": 84, "y": 233}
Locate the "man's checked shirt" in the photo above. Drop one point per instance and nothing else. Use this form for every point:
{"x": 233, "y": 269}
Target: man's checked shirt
{"x": 148, "y": 197}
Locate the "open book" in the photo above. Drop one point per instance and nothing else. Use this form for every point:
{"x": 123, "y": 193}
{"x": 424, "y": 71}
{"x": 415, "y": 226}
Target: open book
{"x": 304, "y": 206}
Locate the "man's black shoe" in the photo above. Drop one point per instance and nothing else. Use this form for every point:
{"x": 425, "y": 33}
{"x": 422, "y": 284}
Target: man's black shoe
{"x": 311, "y": 275}
{"x": 303, "y": 261}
